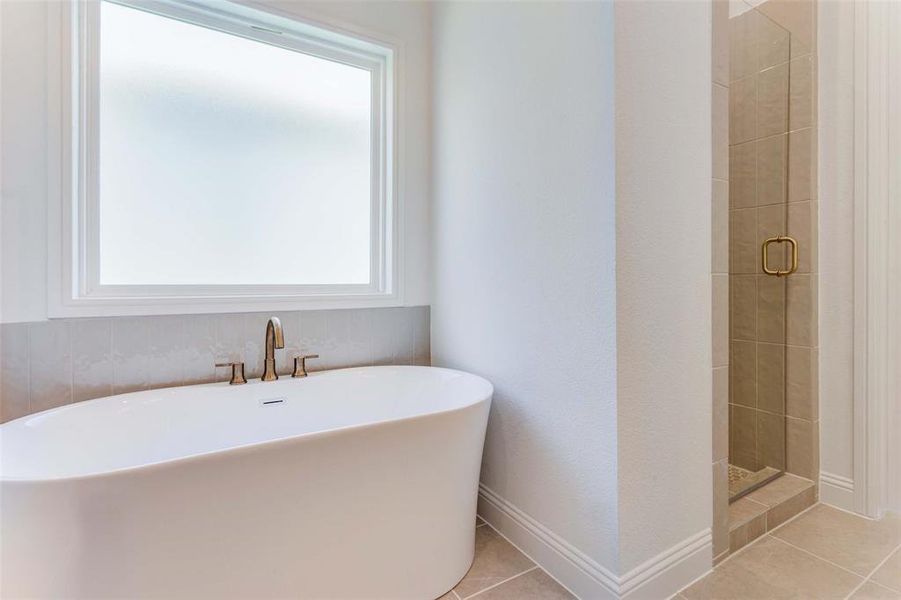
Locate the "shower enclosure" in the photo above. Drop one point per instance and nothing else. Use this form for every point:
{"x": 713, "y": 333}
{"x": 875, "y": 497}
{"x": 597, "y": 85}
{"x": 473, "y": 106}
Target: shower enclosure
{"x": 766, "y": 129}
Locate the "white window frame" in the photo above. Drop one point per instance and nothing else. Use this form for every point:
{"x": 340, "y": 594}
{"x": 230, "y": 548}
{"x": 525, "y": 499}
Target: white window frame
{"x": 73, "y": 236}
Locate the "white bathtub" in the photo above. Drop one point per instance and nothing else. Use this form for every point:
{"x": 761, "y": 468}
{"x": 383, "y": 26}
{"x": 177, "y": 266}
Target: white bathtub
{"x": 357, "y": 483}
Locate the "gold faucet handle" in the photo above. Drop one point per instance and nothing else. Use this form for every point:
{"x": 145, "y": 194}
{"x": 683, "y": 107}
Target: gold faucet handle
{"x": 237, "y": 372}
{"x": 300, "y": 364}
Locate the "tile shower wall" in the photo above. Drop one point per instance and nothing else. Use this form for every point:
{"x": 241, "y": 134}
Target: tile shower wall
{"x": 773, "y": 345}
{"x": 720, "y": 278}
{"x": 52, "y": 363}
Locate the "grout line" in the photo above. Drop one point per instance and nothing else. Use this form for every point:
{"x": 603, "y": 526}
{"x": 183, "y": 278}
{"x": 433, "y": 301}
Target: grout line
{"x": 456, "y": 595}
{"x": 879, "y": 585}
{"x": 761, "y": 537}
{"x": 481, "y": 524}
{"x": 527, "y": 555}
{"x": 491, "y": 587}
{"x": 873, "y": 572}
{"x": 817, "y": 556}
{"x": 850, "y": 512}
{"x": 747, "y": 546}
{"x": 780, "y": 526}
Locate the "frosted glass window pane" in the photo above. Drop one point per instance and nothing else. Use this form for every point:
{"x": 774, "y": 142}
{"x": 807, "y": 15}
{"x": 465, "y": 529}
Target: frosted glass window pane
{"x": 224, "y": 160}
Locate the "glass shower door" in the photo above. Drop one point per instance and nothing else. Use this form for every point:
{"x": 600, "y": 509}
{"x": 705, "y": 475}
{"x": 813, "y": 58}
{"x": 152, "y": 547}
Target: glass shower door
{"x": 761, "y": 250}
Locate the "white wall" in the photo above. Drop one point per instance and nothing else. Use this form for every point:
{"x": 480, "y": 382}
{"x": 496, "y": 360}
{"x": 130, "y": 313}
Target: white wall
{"x": 24, "y": 132}
{"x": 524, "y": 252}
{"x": 663, "y": 285}
{"x": 836, "y": 235}
{"x": 591, "y": 315}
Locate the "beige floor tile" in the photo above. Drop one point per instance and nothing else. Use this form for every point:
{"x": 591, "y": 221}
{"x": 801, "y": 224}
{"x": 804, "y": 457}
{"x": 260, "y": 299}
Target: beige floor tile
{"x": 535, "y": 584}
{"x": 779, "y": 490}
{"x": 448, "y": 596}
{"x": 847, "y": 540}
{"x": 773, "y": 570}
{"x": 479, "y": 521}
{"x": 495, "y": 560}
{"x": 889, "y": 574}
{"x": 873, "y": 591}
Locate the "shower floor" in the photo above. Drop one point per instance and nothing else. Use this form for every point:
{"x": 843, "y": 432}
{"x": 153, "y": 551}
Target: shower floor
{"x": 743, "y": 479}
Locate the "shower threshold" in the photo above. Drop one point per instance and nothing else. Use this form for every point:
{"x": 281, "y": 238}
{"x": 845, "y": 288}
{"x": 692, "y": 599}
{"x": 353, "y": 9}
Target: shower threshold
{"x": 743, "y": 481}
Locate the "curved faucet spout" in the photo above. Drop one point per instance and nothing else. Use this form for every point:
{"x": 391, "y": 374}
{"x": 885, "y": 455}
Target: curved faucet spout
{"x": 275, "y": 338}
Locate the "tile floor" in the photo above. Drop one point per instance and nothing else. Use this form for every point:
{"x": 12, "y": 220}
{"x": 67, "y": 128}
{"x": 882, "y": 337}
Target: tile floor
{"x": 821, "y": 554}
{"x": 501, "y": 572}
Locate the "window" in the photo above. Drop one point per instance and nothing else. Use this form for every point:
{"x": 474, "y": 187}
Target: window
{"x": 222, "y": 155}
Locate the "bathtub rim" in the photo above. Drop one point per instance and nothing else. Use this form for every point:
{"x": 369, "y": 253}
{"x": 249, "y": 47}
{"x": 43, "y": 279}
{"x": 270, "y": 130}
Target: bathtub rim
{"x": 252, "y": 446}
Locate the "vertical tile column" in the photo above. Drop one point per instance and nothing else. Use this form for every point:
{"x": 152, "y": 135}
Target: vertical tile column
{"x": 720, "y": 278}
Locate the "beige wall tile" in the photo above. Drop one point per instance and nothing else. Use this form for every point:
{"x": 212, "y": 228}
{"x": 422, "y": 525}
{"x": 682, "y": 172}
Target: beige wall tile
{"x": 720, "y": 125}
{"x": 742, "y": 45}
{"x": 743, "y": 437}
{"x": 772, "y": 101}
{"x": 720, "y": 529}
{"x": 800, "y": 317}
{"x": 14, "y": 384}
{"x": 743, "y": 110}
{"x": 770, "y": 224}
{"x": 743, "y": 371}
{"x": 771, "y": 378}
{"x": 720, "y": 227}
{"x": 743, "y": 250}
{"x": 744, "y": 307}
{"x": 800, "y": 227}
{"x": 801, "y": 382}
{"x": 770, "y": 440}
{"x": 801, "y": 105}
{"x": 802, "y": 453}
{"x": 771, "y": 169}
{"x": 773, "y": 43}
{"x": 92, "y": 359}
{"x": 720, "y": 49}
{"x": 721, "y": 414}
{"x": 798, "y": 17}
{"x": 743, "y": 175}
{"x": 720, "y": 301}
{"x": 771, "y": 309}
{"x": 50, "y": 364}
{"x": 800, "y": 168}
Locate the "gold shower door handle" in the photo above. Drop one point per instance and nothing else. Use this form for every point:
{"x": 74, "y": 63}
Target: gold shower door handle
{"x": 764, "y": 255}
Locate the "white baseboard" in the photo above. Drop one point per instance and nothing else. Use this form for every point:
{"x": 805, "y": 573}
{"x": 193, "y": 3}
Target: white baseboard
{"x": 671, "y": 570}
{"x": 837, "y": 491}
{"x": 659, "y": 577}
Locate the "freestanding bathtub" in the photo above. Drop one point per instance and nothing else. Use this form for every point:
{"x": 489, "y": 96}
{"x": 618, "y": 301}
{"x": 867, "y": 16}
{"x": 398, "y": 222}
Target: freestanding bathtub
{"x": 356, "y": 483}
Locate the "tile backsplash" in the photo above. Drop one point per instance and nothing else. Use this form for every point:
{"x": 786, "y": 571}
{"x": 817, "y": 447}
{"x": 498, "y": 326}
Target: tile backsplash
{"x": 51, "y": 363}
